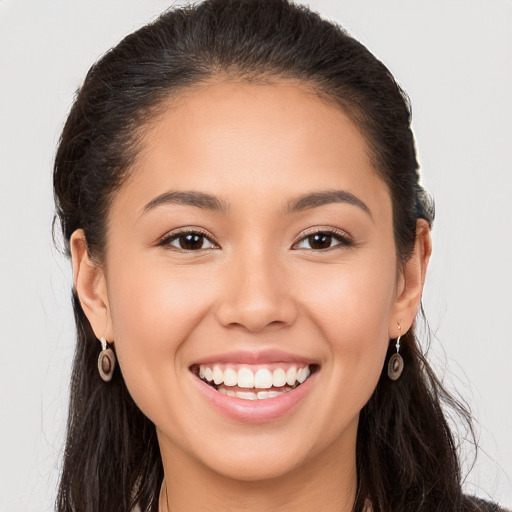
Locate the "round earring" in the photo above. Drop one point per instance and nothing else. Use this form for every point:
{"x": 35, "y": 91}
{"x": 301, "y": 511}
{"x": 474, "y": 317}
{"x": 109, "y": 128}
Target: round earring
{"x": 396, "y": 363}
{"x": 106, "y": 361}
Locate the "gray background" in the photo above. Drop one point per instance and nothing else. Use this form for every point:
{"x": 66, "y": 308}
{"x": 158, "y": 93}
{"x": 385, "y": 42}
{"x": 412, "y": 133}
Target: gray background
{"x": 455, "y": 60}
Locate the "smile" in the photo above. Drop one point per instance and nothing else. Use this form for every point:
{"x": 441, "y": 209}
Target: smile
{"x": 253, "y": 382}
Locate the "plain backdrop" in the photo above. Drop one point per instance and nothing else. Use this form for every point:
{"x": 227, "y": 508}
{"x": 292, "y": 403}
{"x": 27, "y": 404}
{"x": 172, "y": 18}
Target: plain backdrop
{"x": 454, "y": 57}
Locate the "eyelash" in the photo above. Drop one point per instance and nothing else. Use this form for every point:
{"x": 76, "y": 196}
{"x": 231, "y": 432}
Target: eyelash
{"x": 167, "y": 239}
{"x": 342, "y": 238}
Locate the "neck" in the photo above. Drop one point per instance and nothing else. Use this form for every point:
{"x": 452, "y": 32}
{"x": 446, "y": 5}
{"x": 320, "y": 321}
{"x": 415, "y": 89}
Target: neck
{"x": 328, "y": 482}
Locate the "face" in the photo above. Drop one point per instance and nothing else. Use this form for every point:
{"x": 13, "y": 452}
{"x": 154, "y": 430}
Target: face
{"x": 251, "y": 253}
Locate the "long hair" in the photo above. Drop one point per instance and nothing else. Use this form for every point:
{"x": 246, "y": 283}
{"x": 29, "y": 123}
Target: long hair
{"x": 406, "y": 454}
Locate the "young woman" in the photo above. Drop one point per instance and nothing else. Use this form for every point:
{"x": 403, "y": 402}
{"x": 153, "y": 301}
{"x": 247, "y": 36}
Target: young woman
{"x": 238, "y": 188}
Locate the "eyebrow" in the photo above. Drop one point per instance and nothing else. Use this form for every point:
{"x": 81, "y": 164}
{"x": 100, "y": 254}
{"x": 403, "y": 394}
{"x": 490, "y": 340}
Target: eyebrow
{"x": 325, "y": 197}
{"x": 213, "y": 203}
{"x": 187, "y": 198}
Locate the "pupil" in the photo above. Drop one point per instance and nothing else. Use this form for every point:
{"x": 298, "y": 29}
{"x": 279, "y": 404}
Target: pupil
{"x": 320, "y": 241}
{"x": 191, "y": 241}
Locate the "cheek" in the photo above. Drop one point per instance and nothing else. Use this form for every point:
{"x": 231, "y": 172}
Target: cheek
{"x": 350, "y": 298}
{"x": 346, "y": 308}
{"x": 351, "y": 305}
{"x": 157, "y": 303}
{"x": 153, "y": 312}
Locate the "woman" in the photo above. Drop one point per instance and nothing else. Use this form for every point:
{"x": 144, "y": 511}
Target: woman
{"x": 238, "y": 188}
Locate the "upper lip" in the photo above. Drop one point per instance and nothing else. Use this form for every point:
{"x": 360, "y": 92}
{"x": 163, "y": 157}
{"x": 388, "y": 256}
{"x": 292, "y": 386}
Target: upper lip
{"x": 255, "y": 357}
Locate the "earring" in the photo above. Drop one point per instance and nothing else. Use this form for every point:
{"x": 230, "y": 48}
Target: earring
{"x": 106, "y": 361}
{"x": 396, "y": 363}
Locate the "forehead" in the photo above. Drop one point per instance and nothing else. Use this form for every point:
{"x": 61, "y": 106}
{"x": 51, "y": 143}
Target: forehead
{"x": 279, "y": 114}
{"x": 234, "y": 139}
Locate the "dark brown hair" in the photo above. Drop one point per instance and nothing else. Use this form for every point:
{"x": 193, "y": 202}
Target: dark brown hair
{"x": 406, "y": 455}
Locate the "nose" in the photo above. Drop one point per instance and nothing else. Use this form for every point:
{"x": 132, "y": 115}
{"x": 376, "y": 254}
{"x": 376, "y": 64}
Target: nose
{"x": 258, "y": 294}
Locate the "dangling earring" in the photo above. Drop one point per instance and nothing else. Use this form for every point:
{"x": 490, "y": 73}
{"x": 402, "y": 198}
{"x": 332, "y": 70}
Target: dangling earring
{"x": 396, "y": 363}
{"x": 106, "y": 361}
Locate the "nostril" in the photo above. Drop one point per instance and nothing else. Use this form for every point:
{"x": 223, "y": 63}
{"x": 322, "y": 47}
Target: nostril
{"x": 253, "y": 324}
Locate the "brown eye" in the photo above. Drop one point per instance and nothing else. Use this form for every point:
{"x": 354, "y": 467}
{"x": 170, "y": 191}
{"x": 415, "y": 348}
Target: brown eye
{"x": 323, "y": 240}
{"x": 320, "y": 241}
{"x": 188, "y": 241}
{"x": 191, "y": 242}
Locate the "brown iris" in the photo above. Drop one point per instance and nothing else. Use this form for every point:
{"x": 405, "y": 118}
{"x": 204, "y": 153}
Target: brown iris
{"x": 191, "y": 241}
{"x": 320, "y": 240}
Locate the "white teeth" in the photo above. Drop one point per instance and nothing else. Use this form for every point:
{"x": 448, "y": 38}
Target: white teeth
{"x": 230, "y": 377}
{"x": 279, "y": 378}
{"x": 263, "y": 379}
{"x": 246, "y": 395}
{"x": 261, "y": 395}
{"x": 251, "y": 395}
{"x": 303, "y": 374}
{"x": 291, "y": 376}
{"x": 245, "y": 378}
{"x": 218, "y": 375}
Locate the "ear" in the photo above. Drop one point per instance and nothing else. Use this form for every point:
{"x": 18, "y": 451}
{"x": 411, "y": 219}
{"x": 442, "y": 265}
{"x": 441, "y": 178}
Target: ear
{"x": 411, "y": 281}
{"x": 91, "y": 287}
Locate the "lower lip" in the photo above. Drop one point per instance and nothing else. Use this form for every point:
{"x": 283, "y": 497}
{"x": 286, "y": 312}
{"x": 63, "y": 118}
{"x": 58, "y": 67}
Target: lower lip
{"x": 255, "y": 411}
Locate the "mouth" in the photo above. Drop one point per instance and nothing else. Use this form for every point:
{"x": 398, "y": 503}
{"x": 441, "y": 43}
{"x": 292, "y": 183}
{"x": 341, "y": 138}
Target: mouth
{"x": 254, "y": 382}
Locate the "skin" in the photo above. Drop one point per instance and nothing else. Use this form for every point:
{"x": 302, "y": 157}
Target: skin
{"x": 258, "y": 285}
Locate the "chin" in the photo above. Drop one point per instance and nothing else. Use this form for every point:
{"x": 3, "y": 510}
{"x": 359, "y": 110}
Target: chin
{"x": 255, "y": 467}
